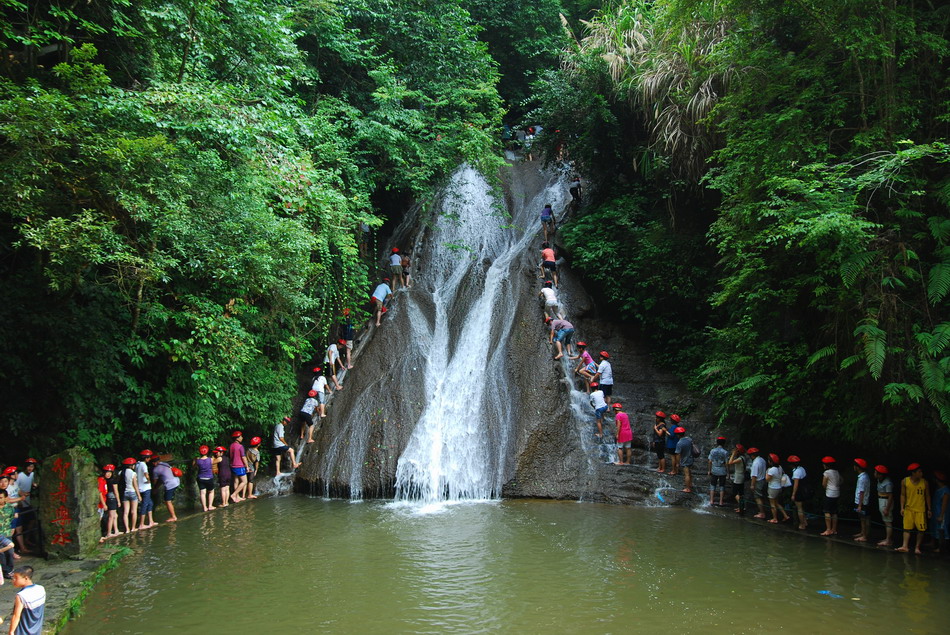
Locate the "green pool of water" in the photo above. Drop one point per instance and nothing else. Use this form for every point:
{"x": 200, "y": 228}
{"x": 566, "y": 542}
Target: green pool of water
{"x": 299, "y": 565}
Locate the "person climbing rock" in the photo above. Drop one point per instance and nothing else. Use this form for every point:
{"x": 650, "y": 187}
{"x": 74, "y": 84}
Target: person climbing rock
{"x": 547, "y": 221}
{"x": 279, "y": 446}
{"x": 624, "y": 435}
{"x": 332, "y": 359}
{"x": 915, "y": 506}
{"x": 406, "y": 263}
{"x": 660, "y": 434}
{"x": 885, "y": 503}
{"x": 237, "y": 456}
{"x": 684, "y": 453}
{"x": 759, "y": 486}
{"x": 548, "y": 262}
{"x": 671, "y": 446}
{"x": 561, "y": 334}
{"x": 739, "y": 463}
{"x": 586, "y": 367}
{"x": 395, "y": 268}
{"x": 551, "y": 307}
{"x": 380, "y": 294}
{"x": 322, "y": 388}
{"x": 348, "y": 334}
{"x": 831, "y": 482}
{"x": 575, "y": 190}
{"x": 599, "y": 404}
{"x": 605, "y": 373}
{"x": 305, "y": 414}
{"x": 717, "y": 470}
{"x": 862, "y": 497}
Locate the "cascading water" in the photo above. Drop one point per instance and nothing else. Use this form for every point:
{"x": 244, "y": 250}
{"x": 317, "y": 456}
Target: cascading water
{"x": 457, "y": 448}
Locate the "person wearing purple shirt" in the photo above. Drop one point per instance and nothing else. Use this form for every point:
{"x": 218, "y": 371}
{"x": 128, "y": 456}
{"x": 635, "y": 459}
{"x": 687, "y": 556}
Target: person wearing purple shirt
{"x": 205, "y": 478}
{"x": 162, "y": 473}
{"x": 561, "y": 333}
{"x": 236, "y": 454}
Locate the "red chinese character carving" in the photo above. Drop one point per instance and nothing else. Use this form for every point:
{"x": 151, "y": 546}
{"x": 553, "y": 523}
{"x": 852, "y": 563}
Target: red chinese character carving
{"x": 62, "y": 517}
{"x": 61, "y": 468}
{"x": 61, "y": 495}
{"x": 61, "y": 538}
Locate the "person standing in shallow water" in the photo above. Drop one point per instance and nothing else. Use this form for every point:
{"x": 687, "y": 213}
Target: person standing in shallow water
{"x": 915, "y": 506}
{"x": 660, "y": 433}
{"x": 224, "y": 474}
{"x": 684, "y": 452}
{"x": 236, "y": 457}
{"x": 940, "y": 512}
{"x": 885, "y": 503}
{"x": 253, "y": 459}
{"x": 205, "y": 469}
{"x": 717, "y": 470}
{"x": 758, "y": 474}
{"x": 800, "y": 490}
{"x": 775, "y": 477}
{"x": 624, "y": 435}
{"x": 739, "y": 463}
{"x": 862, "y": 497}
{"x": 831, "y": 482}
{"x": 671, "y": 446}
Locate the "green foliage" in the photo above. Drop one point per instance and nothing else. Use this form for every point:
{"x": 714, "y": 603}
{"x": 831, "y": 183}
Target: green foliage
{"x": 181, "y": 198}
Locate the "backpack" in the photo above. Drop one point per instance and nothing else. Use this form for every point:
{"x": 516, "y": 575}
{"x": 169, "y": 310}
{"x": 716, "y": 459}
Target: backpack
{"x": 696, "y": 451}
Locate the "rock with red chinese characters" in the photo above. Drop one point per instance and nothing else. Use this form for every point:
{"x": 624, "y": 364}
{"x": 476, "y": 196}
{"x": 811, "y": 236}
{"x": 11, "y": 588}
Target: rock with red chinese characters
{"x": 67, "y": 503}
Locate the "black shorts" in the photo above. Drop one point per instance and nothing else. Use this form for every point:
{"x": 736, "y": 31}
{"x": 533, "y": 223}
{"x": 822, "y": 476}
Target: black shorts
{"x": 607, "y": 388}
{"x": 281, "y": 450}
{"x": 206, "y": 483}
{"x": 550, "y": 264}
{"x": 738, "y": 489}
{"x": 830, "y": 505}
{"x": 112, "y": 503}
{"x": 717, "y": 482}
{"x": 658, "y": 449}
{"x": 303, "y": 417}
{"x": 670, "y": 451}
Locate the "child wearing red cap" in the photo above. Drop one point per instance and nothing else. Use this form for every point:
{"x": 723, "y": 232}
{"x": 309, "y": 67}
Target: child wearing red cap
{"x": 800, "y": 490}
{"x": 586, "y": 367}
{"x": 238, "y": 463}
{"x": 112, "y": 500}
{"x": 599, "y": 403}
{"x": 831, "y": 482}
{"x": 915, "y": 506}
{"x": 885, "y": 503}
{"x": 862, "y": 496}
{"x": 605, "y": 374}
{"x": 204, "y": 465}
{"x": 624, "y": 435}
{"x": 223, "y": 466}
{"x": 395, "y": 268}
{"x": 717, "y": 470}
{"x": 548, "y": 262}
{"x": 253, "y": 458}
{"x": 660, "y": 432}
{"x": 332, "y": 359}
{"x": 739, "y": 463}
{"x": 130, "y": 495}
{"x": 775, "y": 478}
{"x": 380, "y": 293}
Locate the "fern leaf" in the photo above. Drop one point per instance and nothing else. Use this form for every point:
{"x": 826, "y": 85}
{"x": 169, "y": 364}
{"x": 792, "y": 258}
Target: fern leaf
{"x": 935, "y": 343}
{"x": 940, "y": 228}
{"x": 749, "y": 383}
{"x": 895, "y": 394}
{"x": 853, "y": 266}
{"x": 821, "y": 353}
{"x": 932, "y": 378}
{"x": 938, "y": 282}
{"x": 847, "y": 362}
{"x": 874, "y": 343}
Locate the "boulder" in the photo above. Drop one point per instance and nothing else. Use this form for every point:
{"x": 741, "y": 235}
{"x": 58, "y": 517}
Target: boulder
{"x": 68, "y": 498}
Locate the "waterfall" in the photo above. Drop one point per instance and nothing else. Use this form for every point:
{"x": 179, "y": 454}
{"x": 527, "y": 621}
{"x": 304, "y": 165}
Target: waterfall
{"x": 458, "y": 446}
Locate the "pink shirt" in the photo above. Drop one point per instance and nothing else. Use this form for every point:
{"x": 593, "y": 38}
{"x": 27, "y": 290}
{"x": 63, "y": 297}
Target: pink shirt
{"x": 547, "y": 254}
{"x": 625, "y": 434}
{"x": 237, "y": 455}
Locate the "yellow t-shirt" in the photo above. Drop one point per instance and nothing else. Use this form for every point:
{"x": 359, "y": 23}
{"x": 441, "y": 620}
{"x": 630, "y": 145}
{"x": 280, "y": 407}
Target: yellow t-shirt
{"x": 916, "y": 495}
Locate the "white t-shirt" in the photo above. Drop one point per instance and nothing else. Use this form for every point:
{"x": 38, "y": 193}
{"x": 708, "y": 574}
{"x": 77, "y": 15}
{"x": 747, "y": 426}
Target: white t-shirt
{"x": 320, "y": 384}
{"x": 382, "y": 292}
{"x": 278, "y": 435}
{"x": 141, "y": 472}
{"x": 395, "y": 259}
{"x": 130, "y": 479}
{"x": 833, "y": 488}
{"x": 550, "y": 299}
{"x": 798, "y": 473}
{"x": 597, "y": 399}
{"x": 606, "y": 373}
{"x": 24, "y": 483}
{"x": 862, "y": 493}
{"x": 333, "y": 354}
{"x": 758, "y": 469}
{"x": 776, "y": 473}
{"x": 309, "y": 406}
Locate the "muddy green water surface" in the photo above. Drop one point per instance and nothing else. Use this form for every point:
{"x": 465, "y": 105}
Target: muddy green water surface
{"x": 303, "y": 565}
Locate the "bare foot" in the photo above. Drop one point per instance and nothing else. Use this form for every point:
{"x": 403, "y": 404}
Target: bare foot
{"x": 918, "y": 552}
{"x": 210, "y": 508}
{"x": 902, "y": 549}
{"x": 688, "y": 491}
{"x": 773, "y": 521}
{"x": 350, "y": 367}
{"x": 759, "y": 516}
{"x": 860, "y": 539}
{"x": 617, "y": 463}
{"x": 173, "y": 519}
{"x": 884, "y": 543}
{"x": 311, "y": 440}
{"x": 558, "y": 356}
{"x": 296, "y": 465}
{"x": 252, "y": 496}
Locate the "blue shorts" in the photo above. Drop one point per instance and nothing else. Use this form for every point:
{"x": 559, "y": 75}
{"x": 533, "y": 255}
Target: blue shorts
{"x": 238, "y": 471}
{"x": 564, "y": 335}
{"x": 600, "y": 412}
{"x": 170, "y": 494}
{"x": 14, "y": 522}
{"x": 146, "y": 505}
{"x": 129, "y": 496}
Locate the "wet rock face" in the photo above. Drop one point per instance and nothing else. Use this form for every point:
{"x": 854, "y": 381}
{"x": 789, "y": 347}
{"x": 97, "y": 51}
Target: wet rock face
{"x": 67, "y": 503}
{"x": 551, "y": 450}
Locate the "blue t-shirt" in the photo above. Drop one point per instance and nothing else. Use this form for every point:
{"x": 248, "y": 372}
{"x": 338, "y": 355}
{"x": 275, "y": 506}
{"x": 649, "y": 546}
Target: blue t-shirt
{"x": 718, "y": 455}
{"x": 33, "y": 598}
{"x": 684, "y": 447}
{"x": 670, "y": 439}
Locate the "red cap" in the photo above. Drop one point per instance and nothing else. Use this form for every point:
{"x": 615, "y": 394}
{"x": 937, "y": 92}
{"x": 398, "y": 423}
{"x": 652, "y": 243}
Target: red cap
{"x": 286, "y": 419}
{"x": 618, "y": 405}
{"x": 582, "y": 343}
{"x": 128, "y": 461}
{"x": 346, "y": 311}
{"x": 604, "y": 354}
{"x": 177, "y": 472}
{"x": 880, "y": 469}
{"x": 312, "y": 393}
{"x": 317, "y": 369}
{"x": 774, "y": 458}
{"x": 741, "y": 448}
{"x": 108, "y": 467}
{"x": 828, "y": 459}
{"x": 220, "y": 448}
{"x": 203, "y": 450}
{"x": 675, "y": 418}
{"x": 794, "y": 459}
{"x": 341, "y": 342}
{"x": 31, "y": 461}
{"x": 913, "y": 467}
{"x": 256, "y": 441}
{"x": 386, "y": 280}
{"x": 752, "y": 450}
{"x": 861, "y": 463}
{"x": 10, "y": 470}
{"x": 720, "y": 438}
{"x": 679, "y": 430}
{"x": 395, "y": 250}
{"x": 660, "y": 414}
{"x": 594, "y": 384}
{"x": 547, "y": 319}
{"x": 146, "y": 453}
{"x": 236, "y": 434}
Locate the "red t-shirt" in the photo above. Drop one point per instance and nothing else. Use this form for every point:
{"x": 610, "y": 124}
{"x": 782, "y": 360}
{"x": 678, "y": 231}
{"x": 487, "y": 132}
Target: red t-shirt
{"x": 103, "y": 491}
{"x": 547, "y": 255}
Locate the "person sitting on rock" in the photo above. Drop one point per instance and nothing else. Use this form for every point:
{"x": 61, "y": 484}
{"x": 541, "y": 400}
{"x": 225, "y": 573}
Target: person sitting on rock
{"x": 624, "y": 435}
{"x": 548, "y": 262}
{"x": 587, "y": 367}
{"x": 279, "y": 446}
{"x": 599, "y": 404}
{"x": 561, "y": 333}
{"x": 605, "y": 374}
{"x": 660, "y": 434}
{"x": 684, "y": 452}
{"x": 551, "y": 307}
{"x": 380, "y": 294}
